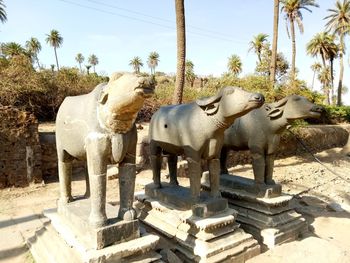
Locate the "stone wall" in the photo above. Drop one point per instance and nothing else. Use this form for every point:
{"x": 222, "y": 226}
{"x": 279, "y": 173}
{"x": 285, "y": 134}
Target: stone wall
{"x": 20, "y": 151}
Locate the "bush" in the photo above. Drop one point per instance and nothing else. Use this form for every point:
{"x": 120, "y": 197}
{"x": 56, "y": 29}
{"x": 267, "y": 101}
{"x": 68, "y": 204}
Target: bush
{"x": 337, "y": 114}
{"x": 41, "y": 92}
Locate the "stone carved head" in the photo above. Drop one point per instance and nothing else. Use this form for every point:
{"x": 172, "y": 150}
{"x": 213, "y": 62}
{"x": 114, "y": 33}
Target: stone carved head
{"x": 293, "y": 107}
{"x": 121, "y": 100}
{"x": 231, "y": 102}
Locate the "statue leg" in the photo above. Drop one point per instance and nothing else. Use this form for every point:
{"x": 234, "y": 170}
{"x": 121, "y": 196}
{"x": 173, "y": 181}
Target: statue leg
{"x": 87, "y": 183}
{"x": 127, "y": 176}
{"x": 214, "y": 175}
{"x": 156, "y": 163}
{"x": 270, "y": 159}
{"x": 195, "y": 173}
{"x": 172, "y": 164}
{"x": 65, "y": 175}
{"x": 258, "y": 167}
{"x": 223, "y": 160}
{"x": 96, "y": 151}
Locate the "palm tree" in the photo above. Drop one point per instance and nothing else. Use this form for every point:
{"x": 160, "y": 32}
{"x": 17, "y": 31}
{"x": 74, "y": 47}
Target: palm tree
{"x": 292, "y": 9}
{"x": 88, "y": 69}
{"x": 276, "y": 11}
{"x": 136, "y": 64}
{"x": 181, "y": 51}
{"x": 80, "y": 59}
{"x": 316, "y": 67}
{"x": 55, "y": 40}
{"x": 319, "y": 45}
{"x": 234, "y": 65}
{"x": 189, "y": 72}
{"x": 152, "y": 61}
{"x": 257, "y": 44}
{"x": 12, "y": 49}
{"x": 339, "y": 22}
{"x": 93, "y": 60}
{"x": 3, "y": 15}
{"x": 33, "y": 46}
{"x": 325, "y": 78}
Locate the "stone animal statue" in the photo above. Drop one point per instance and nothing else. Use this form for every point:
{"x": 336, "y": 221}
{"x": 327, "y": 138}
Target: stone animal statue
{"x": 197, "y": 130}
{"x": 100, "y": 127}
{"x": 260, "y": 131}
{"x": 346, "y": 148}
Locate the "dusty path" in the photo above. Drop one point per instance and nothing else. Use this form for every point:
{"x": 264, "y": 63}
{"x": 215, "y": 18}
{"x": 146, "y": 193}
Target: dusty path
{"x": 323, "y": 198}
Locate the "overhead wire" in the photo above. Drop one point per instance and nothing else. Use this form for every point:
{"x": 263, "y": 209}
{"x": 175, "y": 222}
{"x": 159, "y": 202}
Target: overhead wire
{"x": 149, "y": 22}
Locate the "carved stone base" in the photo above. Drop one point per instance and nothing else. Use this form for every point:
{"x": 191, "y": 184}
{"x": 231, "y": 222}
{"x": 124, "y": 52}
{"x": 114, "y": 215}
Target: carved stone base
{"x": 59, "y": 240}
{"x": 76, "y": 215}
{"x": 205, "y": 232}
{"x": 271, "y": 221}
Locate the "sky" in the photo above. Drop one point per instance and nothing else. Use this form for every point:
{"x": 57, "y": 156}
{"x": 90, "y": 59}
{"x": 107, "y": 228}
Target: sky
{"x": 118, "y": 30}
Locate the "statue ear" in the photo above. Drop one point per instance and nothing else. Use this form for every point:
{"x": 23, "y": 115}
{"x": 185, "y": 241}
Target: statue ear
{"x": 103, "y": 98}
{"x": 210, "y": 105}
{"x": 275, "y": 113}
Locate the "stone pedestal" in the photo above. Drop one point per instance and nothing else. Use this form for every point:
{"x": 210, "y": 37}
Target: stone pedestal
{"x": 204, "y": 232}
{"x": 263, "y": 211}
{"x": 67, "y": 237}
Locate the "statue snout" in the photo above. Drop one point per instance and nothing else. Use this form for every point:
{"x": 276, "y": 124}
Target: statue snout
{"x": 257, "y": 97}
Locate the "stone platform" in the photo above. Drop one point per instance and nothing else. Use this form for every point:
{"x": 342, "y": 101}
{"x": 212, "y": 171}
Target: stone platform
{"x": 262, "y": 212}
{"x": 67, "y": 237}
{"x": 205, "y": 232}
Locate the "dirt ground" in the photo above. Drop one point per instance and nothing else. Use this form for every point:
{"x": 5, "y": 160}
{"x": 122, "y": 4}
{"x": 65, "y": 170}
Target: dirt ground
{"x": 322, "y": 197}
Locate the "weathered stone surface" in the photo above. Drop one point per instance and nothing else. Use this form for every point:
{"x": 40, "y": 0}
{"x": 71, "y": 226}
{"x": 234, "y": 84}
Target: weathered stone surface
{"x": 271, "y": 220}
{"x": 20, "y": 151}
{"x": 247, "y": 185}
{"x": 180, "y": 197}
{"x": 55, "y": 242}
{"x": 76, "y": 215}
{"x": 212, "y": 239}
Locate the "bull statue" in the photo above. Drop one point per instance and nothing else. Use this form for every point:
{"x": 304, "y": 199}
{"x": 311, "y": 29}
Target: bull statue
{"x": 99, "y": 127}
{"x": 197, "y": 130}
{"x": 260, "y": 131}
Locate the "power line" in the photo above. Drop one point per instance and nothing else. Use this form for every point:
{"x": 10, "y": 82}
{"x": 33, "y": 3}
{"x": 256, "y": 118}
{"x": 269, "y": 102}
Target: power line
{"x": 157, "y": 18}
{"x": 149, "y": 22}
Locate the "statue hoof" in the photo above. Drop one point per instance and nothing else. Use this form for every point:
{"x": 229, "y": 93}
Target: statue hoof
{"x": 215, "y": 195}
{"x": 87, "y": 195}
{"x": 270, "y": 182}
{"x": 97, "y": 222}
{"x": 128, "y": 215}
{"x": 174, "y": 183}
{"x": 65, "y": 200}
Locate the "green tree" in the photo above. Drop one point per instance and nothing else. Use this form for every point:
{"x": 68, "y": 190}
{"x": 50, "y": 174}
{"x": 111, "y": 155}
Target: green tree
{"x": 263, "y": 68}
{"x": 181, "y": 51}
{"x": 292, "y": 10}
{"x": 234, "y": 65}
{"x": 3, "y": 15}
{"x": 80, "y": 59}
{"x": 257, "y": 44}
{"x": 136, "y": 64}
{"x": 276, "y": 11}
{"x": 338, "y": 21}
{"x": 33, "y": 46}
{"x": 12, "y": 49}
{"x": 93, "y": 60}
{"x": 316, "y": 67}
{"x": 189, "y": 72}
{"x": 325, "y": 78}
{"x": 55, "y": 40}
{"x": 152, "y": 61}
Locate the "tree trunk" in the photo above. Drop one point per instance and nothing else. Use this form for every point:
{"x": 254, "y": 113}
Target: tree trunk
{"x": 58, "y": 67}
{"x": 332, "y": 82}
{"x": 292, "y": 29}
{"x": 274, "y": 42}
{"x": 81, "y": 71}
{"x": 181, "y": 51}
{"x": 37, "y": 61}
{"x": 313, "y": 80}
{"x": 341, "y": 72}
